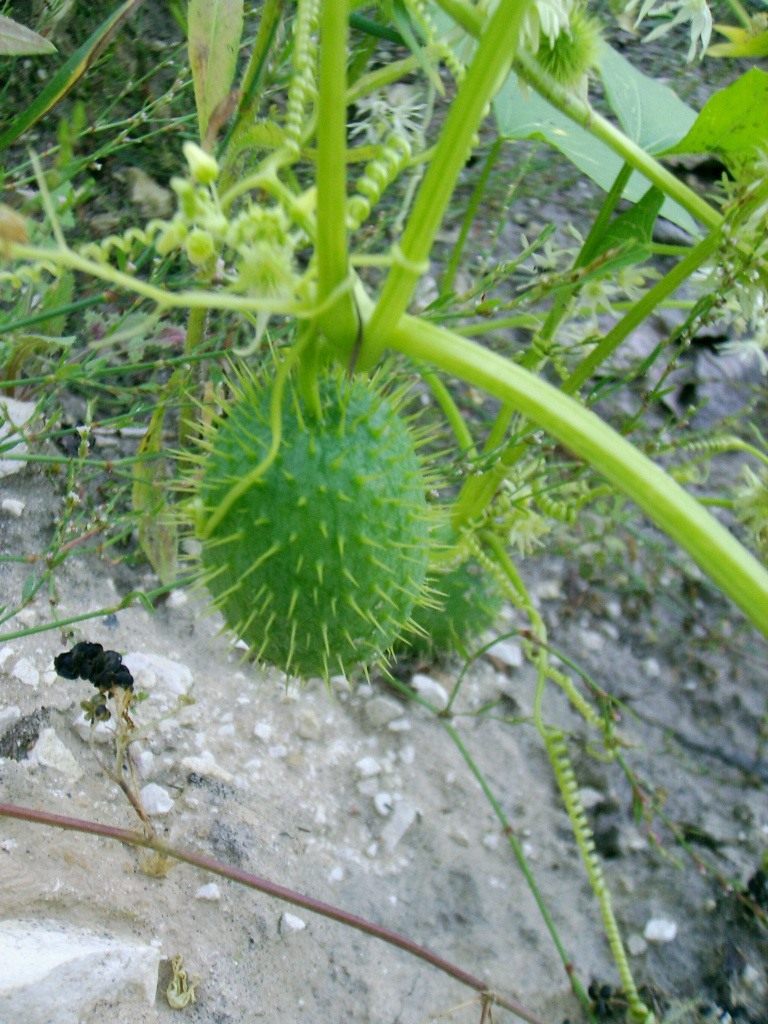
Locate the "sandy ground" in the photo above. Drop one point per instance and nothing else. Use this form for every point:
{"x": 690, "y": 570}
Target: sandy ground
{"x": 369, "y": 806}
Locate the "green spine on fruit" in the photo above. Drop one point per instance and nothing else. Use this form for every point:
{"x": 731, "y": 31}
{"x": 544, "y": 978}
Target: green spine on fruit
{"x": 467, "y": 603}
{"x": 318, "y": 563}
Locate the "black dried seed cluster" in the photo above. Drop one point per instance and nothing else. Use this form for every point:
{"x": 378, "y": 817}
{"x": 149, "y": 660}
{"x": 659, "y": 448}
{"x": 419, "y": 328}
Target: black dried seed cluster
{"x": 104, "y": 669}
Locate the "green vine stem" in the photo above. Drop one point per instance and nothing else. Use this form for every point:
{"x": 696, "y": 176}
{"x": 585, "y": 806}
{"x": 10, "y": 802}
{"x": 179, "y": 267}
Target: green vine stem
{"x": 280, "y": 892}
{"x": 720, "y": 555}
{"x": 487, "y": 70}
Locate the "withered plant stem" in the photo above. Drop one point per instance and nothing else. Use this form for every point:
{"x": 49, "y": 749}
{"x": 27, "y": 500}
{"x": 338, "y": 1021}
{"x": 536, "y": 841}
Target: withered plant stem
{"x": 280, "y": 892}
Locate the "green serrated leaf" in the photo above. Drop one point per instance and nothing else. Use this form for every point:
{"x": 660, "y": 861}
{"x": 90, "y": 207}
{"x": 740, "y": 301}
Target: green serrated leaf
{"x": 733, "y": 122}
{"x": 17, "y": 40}
{"x": 214, "y": 30}
{"x": 68, "y": 74}
{"x": 57, "y": 295}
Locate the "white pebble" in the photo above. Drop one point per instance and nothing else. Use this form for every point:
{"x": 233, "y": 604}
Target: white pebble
{"x": 383, "y": 803}
{"x": 13, "y": 414}
{"x": 636, "y": 944}
{"x": 291, "y": 923}
{"x": 263, "y": 731}
{"x": 507, "y": 653}
{"x": 206, "y": 765}
{"x": 50, "y": 752}
{"x": 155, "y": 799}
{"x": 210, "y": 892}
{"x": 12, "y": 506}
{"x": 400, "y": 821}
{"x": 26, "y": 672}
{"x": 367, "y": 767}
{"x": 400, "y": 725}
{"x": 659, "y": 930}
{"x": 652, "y": 668}
{"x": 336, "y": 874}
{"x": 430, "y": 690}
{"x": 8, "y": 716}
{"x": 591, "y": 640}
{"x": 381, "y": 711}
{"x": 154, "y": 670}
{"x": 307, "y": 725}
{"x": 99, "y": 732}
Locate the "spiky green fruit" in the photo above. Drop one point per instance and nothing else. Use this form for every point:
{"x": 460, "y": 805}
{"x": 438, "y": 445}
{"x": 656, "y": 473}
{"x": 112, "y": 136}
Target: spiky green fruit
{"x": 319, "y": 560}
{"x": 467, "y": 603}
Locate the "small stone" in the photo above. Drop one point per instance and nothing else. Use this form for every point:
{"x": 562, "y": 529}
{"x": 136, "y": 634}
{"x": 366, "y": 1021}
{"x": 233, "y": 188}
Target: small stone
{"x": 491, "y": 841}
{"x": 154, "y": 671}
{"x": 50, "y": 752}
{"x": 383, "y": 803}
{"x": 652, "y": 668}
{"x": 636, "y": 944}
{"x": 381, "y": 711}
{"x": 367, "y": 767}
{"x": 290, "y": 923}
{"x": 13, "y": 506}
{"x": 207, "y": 766}
{"x": 211, "y": 893}
{"x": 430, "y": 690}
{"x": 52, "y": 972}
{"x": 403, "y": 816}
{"x": 659, "y": 930}
{"x": 263, "y": 731}
{"x": 307, "y": 725}
{"x": 99, "y": 732}
{"x": 26, "y": 672}
{"x": 592, "y": 640}
{"x": 400, "y": 725}
{"x": 155, "y": 799}
{"x": 176, "y": 599}
{"x": 505, "y": 654}
{"x": 591, "y": 798}
{"x": 8, "y": 716}
{"x": 549, "y": 590}
{"x": 151, "y": 198}
{"x": 336, "y": 874}
{"x": 13, "y": 414}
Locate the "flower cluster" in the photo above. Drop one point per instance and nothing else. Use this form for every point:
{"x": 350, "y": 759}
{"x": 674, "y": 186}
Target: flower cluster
{"x": 252, "y": 250}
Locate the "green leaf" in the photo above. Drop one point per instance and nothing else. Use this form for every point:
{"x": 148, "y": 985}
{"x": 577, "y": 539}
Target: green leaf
{"x": 16, "y": 39}
{"x": 68, "y": 74}
{"x": 630, "y": 232}
{"x": 522, "y": 114}
{"x": 733, "y": 123}
{"x": 157, "y": 532}
{"x": 650, "y": 113}
{"x": 214, "y": 30}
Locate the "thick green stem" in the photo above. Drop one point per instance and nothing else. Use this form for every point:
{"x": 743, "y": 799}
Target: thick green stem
{"x": 728, "y": 563}
{"x": 488, "y": 69}
{"x": 339, "y": 322}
